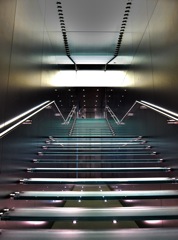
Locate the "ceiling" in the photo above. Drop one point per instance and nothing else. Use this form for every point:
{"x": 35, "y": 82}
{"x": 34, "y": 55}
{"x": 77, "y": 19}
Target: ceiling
{"x": 94, "y": 35}
{"x": 96, "y": 32}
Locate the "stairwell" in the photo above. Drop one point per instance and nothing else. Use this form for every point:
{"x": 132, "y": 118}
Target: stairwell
{"x": 94, "y": 168}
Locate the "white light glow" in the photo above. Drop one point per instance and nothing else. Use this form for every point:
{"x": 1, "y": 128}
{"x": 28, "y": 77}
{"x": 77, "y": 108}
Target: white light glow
{"x": 153, "y": 222}
{"x": 131, "y": 200}
{"x": 36, "y": 223}
{"x": 90, "y": 78}
{"x": 57, "y": 201}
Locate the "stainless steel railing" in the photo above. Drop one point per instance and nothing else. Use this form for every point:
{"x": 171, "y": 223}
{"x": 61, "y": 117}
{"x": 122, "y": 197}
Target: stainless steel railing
{"x": 25, "y": 116}
{"x": 70, "y": 115}
{"x": 156, "y": 108}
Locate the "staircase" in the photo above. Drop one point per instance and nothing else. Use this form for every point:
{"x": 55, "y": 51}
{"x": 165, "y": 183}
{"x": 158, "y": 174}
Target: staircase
{"x": 97, "y": 174}
{"x": 91, "y": 128}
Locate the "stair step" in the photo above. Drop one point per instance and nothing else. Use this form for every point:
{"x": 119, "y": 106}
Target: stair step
{"x": 124, "y": 234}
{"x": 114, "y": 169}
{"x": 150, "y": 180}
{"x": 109, "y": 195}
{"x": 118, "y": 213}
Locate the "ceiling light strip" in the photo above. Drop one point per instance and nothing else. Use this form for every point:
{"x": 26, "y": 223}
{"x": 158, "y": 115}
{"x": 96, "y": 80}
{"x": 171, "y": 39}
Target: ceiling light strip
{"x": 64, "y": 32}
{"x": 121, "y": 33}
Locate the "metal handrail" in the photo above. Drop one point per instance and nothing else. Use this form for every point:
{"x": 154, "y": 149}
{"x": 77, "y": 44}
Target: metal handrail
{"x": 70, "y": 115}
{"x": 109, "y": 125}
{"x": 163, "y": 111}
{"x": 59, "y": 111}
{"x": 22, "y": 115}
{"x": 112, "y": 114}
{"x": 39, "y": 108}
{"x": 172, "y": 114}
{"x": 72, "y": 128}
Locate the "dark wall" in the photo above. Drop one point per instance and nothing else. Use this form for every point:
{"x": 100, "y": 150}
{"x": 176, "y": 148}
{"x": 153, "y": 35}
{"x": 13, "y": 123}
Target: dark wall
{"x": 24, "y": 69}
{"x": 154, "y": 70}
{"x": 153, "y": 77}
{"x": 24, "y": 56}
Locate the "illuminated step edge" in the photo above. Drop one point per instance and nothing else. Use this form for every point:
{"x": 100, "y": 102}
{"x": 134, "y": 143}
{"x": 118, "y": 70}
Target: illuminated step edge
{"x": 93, "y": 143}
{"x": 91, "y": 134}
{"x": 101, "y": 161}
{"x": 103, "y": 214}
{"x": 131, "y": 234}
{"x": 75, "y": 195}
{"x": 123, "y": 148}
{"x": 68, "y": 153}
{"x": 112, "y": 138}
{"x": 114, "y": 169}
{"x": 99, "y": 180}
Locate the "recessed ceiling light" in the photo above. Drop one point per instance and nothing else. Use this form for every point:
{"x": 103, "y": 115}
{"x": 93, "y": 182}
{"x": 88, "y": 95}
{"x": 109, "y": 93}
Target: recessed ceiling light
{"x": 83, "y": 90}
{"x": 97, "y": 90}
{"x": 83, "y": 95}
